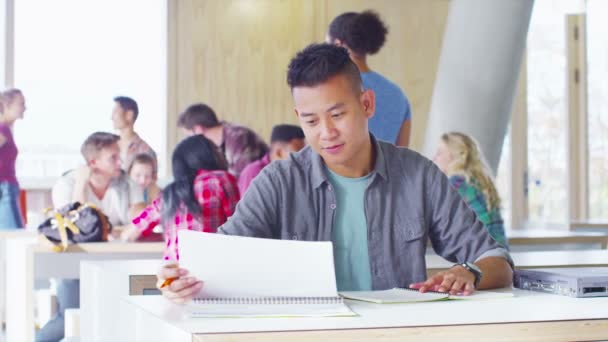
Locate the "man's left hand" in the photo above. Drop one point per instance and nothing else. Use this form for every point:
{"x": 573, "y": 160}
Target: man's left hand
{"x": 456, "y": 280}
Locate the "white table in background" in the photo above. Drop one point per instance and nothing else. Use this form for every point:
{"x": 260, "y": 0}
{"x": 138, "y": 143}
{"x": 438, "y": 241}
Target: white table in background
{"x": 555, "y": 237}
{"x": 29, "y": 258}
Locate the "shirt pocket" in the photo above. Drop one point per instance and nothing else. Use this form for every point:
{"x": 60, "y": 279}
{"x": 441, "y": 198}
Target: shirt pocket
{"x": 410, "y": 230}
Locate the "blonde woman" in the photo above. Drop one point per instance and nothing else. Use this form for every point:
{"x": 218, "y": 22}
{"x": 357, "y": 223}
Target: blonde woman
{"x": 12, "y": 107}
{"x": 460, "y": 158}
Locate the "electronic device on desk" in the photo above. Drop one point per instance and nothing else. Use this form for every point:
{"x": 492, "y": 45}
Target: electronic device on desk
{"x": 579, "y": 282}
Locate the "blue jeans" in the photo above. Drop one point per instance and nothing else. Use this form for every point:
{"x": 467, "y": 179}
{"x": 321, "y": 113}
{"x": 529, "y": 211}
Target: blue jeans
{"x": 10, "y": 215}
{"x": 68, "y": 297}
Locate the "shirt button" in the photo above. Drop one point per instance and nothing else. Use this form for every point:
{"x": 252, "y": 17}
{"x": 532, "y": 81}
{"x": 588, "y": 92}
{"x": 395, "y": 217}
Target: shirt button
{"x": 329, "y": 187}
{"x": 332, "y": 206}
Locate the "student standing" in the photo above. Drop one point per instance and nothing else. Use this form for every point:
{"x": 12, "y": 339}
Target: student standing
{"x": 364, "y": 34}
{"x": 12, "y": 107}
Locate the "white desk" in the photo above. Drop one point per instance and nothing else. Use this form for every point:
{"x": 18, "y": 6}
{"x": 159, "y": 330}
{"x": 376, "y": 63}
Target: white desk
{"x": 530, "y": 316}
{"x": 104, "y": 283}
{"x": 28, "y": 259}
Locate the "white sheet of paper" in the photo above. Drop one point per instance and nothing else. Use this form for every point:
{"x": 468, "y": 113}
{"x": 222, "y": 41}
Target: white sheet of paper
{"x": 234, "y": 266}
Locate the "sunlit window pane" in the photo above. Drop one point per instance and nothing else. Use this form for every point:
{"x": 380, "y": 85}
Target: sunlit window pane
{"x": 547, "y": 110}
{"x": 597, "y": 78}
{"x": 72, "y": 57}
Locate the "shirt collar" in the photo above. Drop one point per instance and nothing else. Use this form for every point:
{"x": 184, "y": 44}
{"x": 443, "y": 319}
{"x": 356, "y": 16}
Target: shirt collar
{"x": 318, "y": 175}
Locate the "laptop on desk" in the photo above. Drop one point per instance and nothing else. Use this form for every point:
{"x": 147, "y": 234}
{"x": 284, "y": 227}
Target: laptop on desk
{"x": 581, "y": 282}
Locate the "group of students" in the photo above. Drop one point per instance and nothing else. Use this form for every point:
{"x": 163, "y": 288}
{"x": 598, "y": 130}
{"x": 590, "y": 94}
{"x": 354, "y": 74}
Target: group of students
{"x": 351, "y": 185}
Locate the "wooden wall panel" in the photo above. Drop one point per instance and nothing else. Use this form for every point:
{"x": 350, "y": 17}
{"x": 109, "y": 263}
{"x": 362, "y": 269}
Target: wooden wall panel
{"x": 233, "y": 54}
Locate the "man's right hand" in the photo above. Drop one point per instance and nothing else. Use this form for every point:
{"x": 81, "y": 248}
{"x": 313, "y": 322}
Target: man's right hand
{"x": 183, "y": 288}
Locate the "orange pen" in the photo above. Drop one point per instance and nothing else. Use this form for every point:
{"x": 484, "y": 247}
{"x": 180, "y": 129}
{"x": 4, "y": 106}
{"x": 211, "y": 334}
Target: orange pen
{"x": 168, "y": 281}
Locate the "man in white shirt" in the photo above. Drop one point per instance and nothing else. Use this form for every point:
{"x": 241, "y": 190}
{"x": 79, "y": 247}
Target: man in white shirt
{"x": 100, "y": 182}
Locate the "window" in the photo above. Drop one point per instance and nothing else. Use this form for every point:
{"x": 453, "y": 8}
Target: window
{"x": 597, "y": 87}
{"x": 547, "y": 111}
{"x": 71, "y": 59}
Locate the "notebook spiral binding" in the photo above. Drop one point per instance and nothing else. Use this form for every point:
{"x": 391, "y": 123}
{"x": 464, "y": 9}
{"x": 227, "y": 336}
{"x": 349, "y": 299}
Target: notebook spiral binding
{"x": 270, "y": 300}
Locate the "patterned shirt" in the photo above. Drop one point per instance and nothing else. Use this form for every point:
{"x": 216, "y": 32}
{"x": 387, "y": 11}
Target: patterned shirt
{"x": 137, "y": 146}
{"x": 241, "y": 146}
{"x": 475, "y": 198}
{"x": 217, "y": 194}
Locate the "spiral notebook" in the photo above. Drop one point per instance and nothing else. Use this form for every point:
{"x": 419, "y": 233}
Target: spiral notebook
{"x": 251, "y": 277}
{"x": 401, "y": 295}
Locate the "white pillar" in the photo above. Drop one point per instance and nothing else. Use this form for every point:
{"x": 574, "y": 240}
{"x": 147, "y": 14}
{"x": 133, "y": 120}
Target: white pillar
{"x": 7, "y": 12}
{"x": 479, "y": 65}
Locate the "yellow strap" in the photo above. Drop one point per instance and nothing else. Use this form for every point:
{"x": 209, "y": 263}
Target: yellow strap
{"x": 63, "y": 235}
{"x": 62, "y": 225}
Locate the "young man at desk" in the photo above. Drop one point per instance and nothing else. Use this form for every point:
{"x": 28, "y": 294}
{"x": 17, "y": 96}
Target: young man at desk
{"x": 377, "y": 203}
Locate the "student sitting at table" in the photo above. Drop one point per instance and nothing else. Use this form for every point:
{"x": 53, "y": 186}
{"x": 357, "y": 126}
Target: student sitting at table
{"x": 239, "y": 145}
{"x": 377, "y": 203}
{"x": 101, "y": 182}
{"x": 461, "y": 159}
{"x": 284, "y": 140}
{"x": 201, "y": 198}
{"x": 142, "y": 171}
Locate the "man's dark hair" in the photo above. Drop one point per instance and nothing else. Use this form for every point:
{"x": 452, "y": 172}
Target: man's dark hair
{"x": 198, "y": 114}
{"x": 364, "y": 33}
{"x": 96, "y": 142}
{"x": 319, "y": 62}
{"x": 286, "y": 133}
{"x": 127, "y": 103}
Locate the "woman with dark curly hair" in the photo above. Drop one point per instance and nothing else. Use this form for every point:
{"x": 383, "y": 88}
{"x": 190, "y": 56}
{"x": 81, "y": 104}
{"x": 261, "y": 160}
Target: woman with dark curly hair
{"x": 363, "y": 34}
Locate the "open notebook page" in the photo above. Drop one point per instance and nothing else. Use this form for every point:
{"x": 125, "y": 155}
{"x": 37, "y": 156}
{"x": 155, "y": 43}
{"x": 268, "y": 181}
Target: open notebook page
{"x": 398, "y": 295}
{"x": 395, "y": 295}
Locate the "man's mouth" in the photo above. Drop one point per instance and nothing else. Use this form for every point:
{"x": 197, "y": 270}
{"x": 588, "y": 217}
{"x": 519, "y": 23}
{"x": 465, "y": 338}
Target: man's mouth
{"x": 333, "y": 149}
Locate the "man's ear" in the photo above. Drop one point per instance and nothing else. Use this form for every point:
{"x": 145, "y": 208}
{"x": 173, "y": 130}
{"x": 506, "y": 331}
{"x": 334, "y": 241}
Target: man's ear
{"x": 368, "y": 102}
{"x": 92, "y": 163}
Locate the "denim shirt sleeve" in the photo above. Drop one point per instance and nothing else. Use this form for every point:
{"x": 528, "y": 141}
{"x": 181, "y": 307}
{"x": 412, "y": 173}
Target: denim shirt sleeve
{"x": 455, "y": 232}
{"x": 256, "y": 213}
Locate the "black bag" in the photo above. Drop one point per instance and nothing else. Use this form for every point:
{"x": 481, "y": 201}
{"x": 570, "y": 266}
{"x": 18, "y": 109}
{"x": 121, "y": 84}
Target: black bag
{"x": 75, "y": 223}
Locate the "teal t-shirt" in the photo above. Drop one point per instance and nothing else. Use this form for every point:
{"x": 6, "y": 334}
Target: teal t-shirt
{"x": 349, "y": 234}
